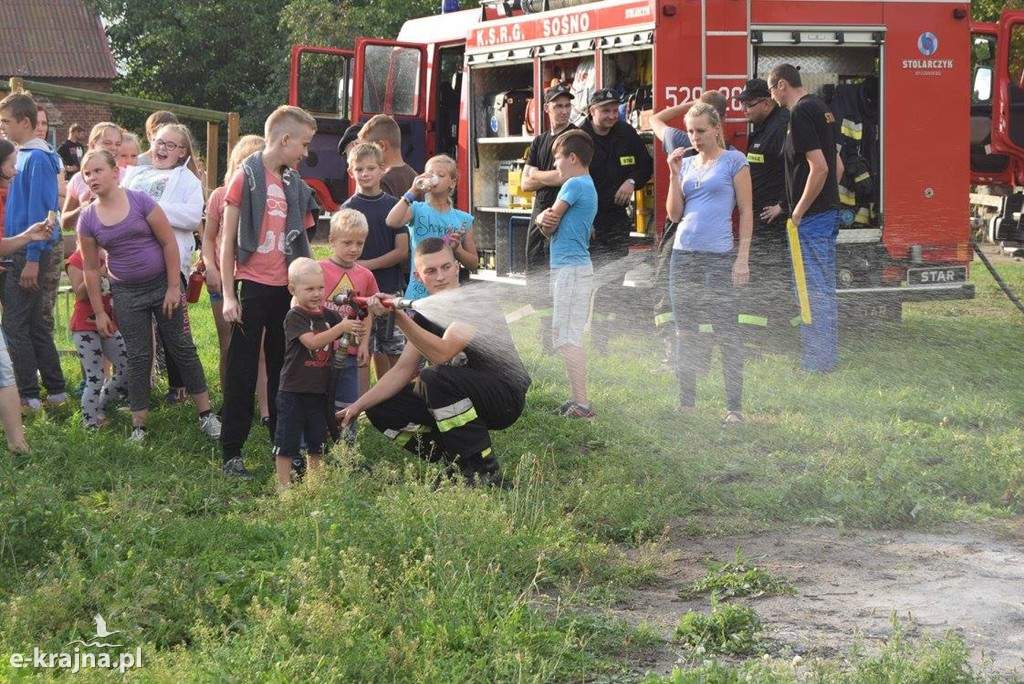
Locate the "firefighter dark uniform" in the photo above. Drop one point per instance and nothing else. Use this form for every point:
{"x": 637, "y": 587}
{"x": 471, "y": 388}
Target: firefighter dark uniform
{"x": 768, "y": 298}
{"x": 618, "y": 156}
{"x": 446, "y": 414}
{"x": 854, "y": 106}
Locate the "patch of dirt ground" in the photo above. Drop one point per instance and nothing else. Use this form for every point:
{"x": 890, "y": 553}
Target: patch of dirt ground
{"x": 967, "y": 578}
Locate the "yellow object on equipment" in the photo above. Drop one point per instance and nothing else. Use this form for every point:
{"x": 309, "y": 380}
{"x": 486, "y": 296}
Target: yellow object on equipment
{"x": 798, "y": 271}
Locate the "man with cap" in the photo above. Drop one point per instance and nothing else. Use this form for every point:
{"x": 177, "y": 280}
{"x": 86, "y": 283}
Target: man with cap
{"x": 620, "y": 166}
{"x": 540, "y": 176}
{"x": 769, "y": 297}
{"x": 812, "y": 170}
{"x": 350, "y": 136}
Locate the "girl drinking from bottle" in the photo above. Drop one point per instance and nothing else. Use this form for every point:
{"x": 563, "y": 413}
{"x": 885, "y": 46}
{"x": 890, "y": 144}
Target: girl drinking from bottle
{"x": 429, "y": 211}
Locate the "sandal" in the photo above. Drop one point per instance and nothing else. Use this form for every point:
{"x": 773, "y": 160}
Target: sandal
{"x": 732, "y": 418}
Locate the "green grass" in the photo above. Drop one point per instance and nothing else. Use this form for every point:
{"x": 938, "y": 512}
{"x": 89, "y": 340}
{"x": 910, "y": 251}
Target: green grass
{"x": 729, "y": 629}
{"x": 367, "y": 575}
{"x": 737, "y": 578}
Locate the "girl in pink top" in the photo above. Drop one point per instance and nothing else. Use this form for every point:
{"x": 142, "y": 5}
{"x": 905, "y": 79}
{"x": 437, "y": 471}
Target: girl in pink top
{"x": 104, "y": 136}
{"x": 210, "y": 259}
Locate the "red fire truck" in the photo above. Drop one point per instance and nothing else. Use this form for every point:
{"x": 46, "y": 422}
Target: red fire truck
{"x": 898, "y": 73}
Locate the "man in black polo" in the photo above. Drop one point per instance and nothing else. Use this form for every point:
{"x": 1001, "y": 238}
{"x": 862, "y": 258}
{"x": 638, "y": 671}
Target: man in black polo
{"x": 620, "y": 166}
{"x": 539, "y": 176}
{"x": 769, "y": 298}
{"x": 812, "y": 169}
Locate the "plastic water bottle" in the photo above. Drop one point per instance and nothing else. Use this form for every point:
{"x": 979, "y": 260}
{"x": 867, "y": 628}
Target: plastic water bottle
{"x": 427, "y": 183}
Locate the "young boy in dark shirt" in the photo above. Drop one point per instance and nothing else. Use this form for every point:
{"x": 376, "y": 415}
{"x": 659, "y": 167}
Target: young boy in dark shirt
{"x": 309, "y": 333}
{"x": 385, "y": 252}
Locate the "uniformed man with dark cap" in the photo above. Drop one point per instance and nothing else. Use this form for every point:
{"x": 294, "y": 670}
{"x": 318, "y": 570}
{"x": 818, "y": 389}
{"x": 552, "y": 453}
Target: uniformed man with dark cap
{"x": 621, "y": 165}
{"x": 769, "y": 299}
{"x": 540, "y": 176}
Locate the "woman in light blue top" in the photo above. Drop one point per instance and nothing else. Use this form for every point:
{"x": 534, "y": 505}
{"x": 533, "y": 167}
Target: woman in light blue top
{"x": 705, "y": 269}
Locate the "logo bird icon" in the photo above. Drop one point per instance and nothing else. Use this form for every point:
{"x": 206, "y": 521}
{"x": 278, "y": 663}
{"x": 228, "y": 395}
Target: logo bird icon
{"x": 101, "y": 627}
{"x": 101, "y": 633}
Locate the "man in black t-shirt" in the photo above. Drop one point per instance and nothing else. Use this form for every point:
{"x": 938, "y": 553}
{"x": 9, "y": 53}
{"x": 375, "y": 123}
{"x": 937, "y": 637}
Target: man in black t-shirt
{"x": 474, "y": 381}
{"x": 813, "y": 193}
{"x": 539, "y": 175}
{"x": 72, "y": 150}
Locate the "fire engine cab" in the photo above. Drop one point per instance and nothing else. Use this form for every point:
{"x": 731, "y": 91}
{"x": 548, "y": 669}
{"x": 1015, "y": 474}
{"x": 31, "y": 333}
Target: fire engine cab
{"x": 905, "y": 78}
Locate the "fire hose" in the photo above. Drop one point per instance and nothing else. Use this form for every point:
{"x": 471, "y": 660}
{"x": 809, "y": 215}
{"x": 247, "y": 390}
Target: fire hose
{"x": 999, "y": 281}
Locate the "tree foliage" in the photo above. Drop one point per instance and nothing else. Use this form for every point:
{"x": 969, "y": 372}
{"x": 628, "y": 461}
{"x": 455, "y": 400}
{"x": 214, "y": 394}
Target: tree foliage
{"x": 989, "y": 10}
{"x": 337, "y": 23}
{"x": 217, "y": 55}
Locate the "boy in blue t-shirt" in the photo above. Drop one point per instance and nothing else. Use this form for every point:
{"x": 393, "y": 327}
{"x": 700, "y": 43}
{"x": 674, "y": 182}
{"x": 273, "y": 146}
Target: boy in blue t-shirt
{"x": 569, "y": 223}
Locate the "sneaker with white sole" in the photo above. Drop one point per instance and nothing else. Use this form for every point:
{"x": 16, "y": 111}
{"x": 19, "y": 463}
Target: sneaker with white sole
{"x": 210, "y": 425}
{"x": 138, "y": 436}
{"x": 58, "y": 399}
{"x": 31, "y": 405}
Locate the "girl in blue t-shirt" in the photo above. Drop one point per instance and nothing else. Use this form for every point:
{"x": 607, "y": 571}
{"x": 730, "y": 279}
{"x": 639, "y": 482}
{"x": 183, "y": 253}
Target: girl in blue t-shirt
{"x": 706, "y": 269}
{"x": 434, "y": 216}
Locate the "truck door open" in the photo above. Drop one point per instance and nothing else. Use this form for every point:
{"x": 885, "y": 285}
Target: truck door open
{"x": 987, "y": 167}
{"x": 321, "y": 83}
{"x": 1007, "y": 86}
{"x": 391, "y": 79}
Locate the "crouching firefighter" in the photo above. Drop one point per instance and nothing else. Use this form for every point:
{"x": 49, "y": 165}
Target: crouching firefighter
{"x": 474, "y": 380}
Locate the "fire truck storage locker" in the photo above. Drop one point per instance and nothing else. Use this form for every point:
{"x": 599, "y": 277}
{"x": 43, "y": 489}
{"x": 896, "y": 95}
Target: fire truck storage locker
{"x": 492, "y": 154}
{"x": 621, "y": 61}
{"x": 842, "y": 67}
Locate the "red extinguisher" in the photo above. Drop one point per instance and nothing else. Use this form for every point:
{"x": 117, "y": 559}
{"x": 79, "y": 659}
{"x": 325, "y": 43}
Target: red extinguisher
{"x": 195, "y": 282}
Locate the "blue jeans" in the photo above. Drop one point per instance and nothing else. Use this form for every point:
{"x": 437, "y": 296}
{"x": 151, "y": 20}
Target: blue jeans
{"x": 819, "y": 341}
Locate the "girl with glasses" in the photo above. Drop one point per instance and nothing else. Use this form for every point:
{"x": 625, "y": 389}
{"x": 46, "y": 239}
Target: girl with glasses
{"x": 177, "y": 189}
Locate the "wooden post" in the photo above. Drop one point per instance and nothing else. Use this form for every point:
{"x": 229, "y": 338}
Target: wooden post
{"x": 212, "y": 151}
{"x": 233, "y": 126}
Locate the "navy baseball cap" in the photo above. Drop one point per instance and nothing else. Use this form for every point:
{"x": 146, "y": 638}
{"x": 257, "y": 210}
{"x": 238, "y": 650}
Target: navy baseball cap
{"x": 558, "y": 91}
{"x": 351, "y": 134}
{"x": 603, "y": 96}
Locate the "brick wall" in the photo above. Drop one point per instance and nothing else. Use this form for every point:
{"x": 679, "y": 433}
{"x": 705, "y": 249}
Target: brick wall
{"x": 63, "y": 113}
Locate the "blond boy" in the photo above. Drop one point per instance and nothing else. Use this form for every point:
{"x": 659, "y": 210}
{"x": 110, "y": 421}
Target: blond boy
{"x": 385, "y": 252}
{"x": 310, "y": 330}
{"x": 343, "y": 274}
{"x": 267, "y": 211}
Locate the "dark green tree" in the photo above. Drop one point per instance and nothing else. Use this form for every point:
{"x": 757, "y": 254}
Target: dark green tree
{"x": 337, "y": 23}
{"x": 988, "y": 10}
{"x": 228, "y": 56}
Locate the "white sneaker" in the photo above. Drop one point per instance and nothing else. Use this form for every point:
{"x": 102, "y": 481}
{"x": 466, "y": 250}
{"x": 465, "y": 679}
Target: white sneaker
{"x": 138, "y": 436}
{"x": 210, "y": 425}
